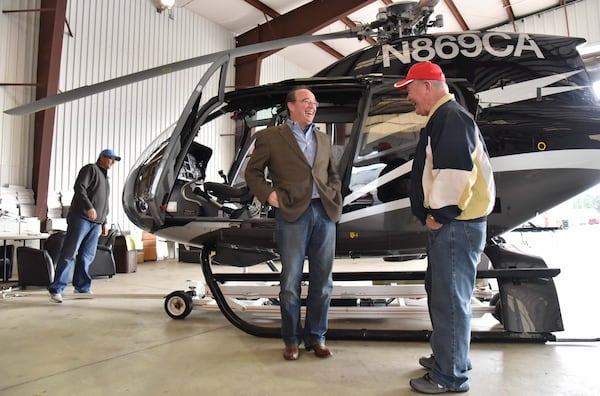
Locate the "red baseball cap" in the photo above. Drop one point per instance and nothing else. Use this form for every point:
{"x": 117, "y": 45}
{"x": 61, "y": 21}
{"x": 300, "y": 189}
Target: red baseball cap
{"x": 422, "y": 71}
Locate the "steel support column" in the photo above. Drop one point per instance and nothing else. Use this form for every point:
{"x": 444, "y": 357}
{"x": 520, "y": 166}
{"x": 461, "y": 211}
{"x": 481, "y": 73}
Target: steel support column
{"x": 48, "y": 70}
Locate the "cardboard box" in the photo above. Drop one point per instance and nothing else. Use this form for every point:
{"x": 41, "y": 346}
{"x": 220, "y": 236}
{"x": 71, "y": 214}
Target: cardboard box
{"x": 149, "y": 242}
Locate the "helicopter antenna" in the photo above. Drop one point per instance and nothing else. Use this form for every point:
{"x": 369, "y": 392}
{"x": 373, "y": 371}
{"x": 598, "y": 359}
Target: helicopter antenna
{"x": 403, "y": 18}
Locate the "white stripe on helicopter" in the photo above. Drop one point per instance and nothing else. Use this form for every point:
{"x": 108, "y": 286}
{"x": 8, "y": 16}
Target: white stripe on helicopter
{"x": 525, "y": 90}
{"x": 553, "y": 159}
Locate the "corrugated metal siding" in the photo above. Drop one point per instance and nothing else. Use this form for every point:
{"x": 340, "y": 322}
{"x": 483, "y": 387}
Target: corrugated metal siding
{"x": 114, "y": 38}
{"x": 275, "y": 68}
{"x": 18, "y": 64}
{"x": 583, "y": 20}
{"x": 579, "y": 19}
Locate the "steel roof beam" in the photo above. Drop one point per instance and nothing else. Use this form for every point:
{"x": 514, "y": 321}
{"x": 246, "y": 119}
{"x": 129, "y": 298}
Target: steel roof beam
{"x": 303, "y": 20}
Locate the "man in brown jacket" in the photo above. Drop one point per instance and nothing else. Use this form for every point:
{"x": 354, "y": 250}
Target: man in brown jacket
{"x": 305, "y": 192}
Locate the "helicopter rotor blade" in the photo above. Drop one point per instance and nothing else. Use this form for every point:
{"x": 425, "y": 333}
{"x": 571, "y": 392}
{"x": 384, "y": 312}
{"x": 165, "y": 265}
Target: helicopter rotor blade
{"x": 81, "y": 92}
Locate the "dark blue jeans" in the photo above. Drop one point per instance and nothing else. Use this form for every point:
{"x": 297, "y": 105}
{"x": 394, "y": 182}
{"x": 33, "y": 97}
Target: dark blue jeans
{"x": 453, "y": 254}
{"x": 79, "y": 247}
{"x": 313, "y": 236}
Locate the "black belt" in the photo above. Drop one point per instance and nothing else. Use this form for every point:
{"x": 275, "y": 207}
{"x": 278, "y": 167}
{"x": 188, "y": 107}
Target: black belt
{"x": 315, "y": 200}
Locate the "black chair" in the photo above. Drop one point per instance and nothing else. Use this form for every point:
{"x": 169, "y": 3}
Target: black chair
{"x": 36, "y": 267}
{"x": 53, "y": 245}
{"x": 8, "y": 265}
{"x": 104, "y": 262}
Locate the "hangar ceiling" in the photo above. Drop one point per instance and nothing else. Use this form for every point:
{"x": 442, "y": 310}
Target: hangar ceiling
{"x": 262, "y": 20}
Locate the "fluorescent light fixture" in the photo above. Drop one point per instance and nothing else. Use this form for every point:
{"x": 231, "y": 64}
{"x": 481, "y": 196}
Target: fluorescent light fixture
{"x": 167, "y": 3}
{"x": 162, "y": 5}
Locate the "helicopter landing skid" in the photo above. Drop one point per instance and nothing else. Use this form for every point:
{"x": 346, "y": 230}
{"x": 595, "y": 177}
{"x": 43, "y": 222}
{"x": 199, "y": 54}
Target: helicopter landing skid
{"x": 259, "y": 296}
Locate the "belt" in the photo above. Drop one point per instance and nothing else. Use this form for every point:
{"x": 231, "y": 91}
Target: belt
{"x": 315, "y": 200}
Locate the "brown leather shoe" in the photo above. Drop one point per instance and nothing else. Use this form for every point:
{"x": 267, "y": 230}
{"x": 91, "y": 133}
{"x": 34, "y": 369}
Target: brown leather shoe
{"x": 321, "y": 350}
{"x": 291, "y": 352}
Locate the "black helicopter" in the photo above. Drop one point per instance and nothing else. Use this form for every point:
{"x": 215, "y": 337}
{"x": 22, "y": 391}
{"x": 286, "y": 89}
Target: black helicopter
{"x": 531, "y": 97}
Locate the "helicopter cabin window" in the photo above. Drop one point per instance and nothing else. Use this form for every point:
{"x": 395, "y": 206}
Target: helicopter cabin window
{"x": 383, "y": 159}
{"x": 262, "y": 119}
{"x": 340, "y": 135}
{"x": 335, "y": 121}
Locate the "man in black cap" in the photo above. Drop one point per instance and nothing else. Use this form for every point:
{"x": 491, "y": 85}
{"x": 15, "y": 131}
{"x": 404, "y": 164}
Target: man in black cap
{"x": 86, "y": 220}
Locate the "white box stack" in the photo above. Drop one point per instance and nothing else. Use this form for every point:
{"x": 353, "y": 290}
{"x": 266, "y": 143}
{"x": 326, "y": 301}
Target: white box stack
{"x": 9, "y": 226}
{"x": 29, "y": 226}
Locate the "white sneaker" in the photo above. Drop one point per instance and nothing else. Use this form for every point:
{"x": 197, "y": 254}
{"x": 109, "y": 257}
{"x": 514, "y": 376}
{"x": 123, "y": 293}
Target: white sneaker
{"x": 79, "y": 294}
{"x": 56, "y": 297}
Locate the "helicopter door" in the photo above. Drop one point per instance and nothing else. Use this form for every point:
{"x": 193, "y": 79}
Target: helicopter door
{"x": 386, "y": 146}
{"x": 159, "y": 166}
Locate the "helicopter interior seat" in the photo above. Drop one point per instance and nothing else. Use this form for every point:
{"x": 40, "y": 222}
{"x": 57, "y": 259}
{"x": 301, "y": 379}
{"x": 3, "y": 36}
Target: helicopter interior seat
{"x": 224, "y": 194}
{"x": 227, "y": 193}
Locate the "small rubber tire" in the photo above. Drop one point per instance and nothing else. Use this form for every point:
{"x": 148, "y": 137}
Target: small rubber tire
{"x": 178, "y": 304}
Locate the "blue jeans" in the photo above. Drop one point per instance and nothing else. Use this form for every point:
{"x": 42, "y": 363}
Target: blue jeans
{"x": 79, "y": 247}
{"x": 312, "y": 235}
{"x": 453, "y": 254}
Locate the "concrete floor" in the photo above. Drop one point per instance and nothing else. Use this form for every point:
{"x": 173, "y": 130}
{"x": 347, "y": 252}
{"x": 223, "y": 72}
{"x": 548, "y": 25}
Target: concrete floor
{"x": 123, "y": 343}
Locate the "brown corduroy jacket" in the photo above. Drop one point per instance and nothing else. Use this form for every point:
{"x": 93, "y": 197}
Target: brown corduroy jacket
{"x": 291, "y": 175}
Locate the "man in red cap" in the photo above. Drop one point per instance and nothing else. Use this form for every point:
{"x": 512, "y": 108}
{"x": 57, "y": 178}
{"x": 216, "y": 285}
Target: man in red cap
{"x": 452, "y": 192}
